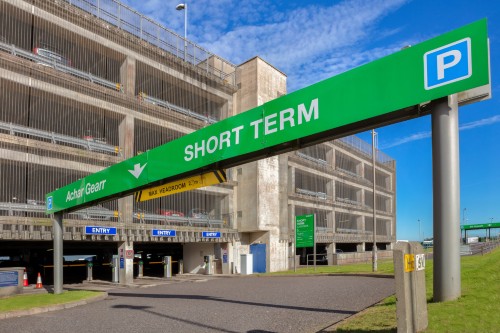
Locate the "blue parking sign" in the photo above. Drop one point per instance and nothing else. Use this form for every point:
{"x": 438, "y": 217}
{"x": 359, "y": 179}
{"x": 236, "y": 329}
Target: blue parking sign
{"x": 49, "y": 203}
{"x": 448, "y": 64}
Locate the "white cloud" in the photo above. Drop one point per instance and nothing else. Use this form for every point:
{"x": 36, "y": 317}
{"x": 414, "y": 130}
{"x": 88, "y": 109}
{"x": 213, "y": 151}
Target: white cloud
{"x": 480, "y": 123}
{"x": 309, "y": 42}
{"x": 426, "y": 135}
{"x": 410, "y": 138}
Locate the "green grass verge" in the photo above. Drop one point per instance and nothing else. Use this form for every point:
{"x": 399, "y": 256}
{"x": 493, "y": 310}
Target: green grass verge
{"x": 384, "y": 267}
{"x": 475, "y": 311}
{"x": 25, "y": 302}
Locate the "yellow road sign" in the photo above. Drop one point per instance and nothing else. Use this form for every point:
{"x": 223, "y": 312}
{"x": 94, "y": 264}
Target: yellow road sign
{"x": 187, "y": 184}
{"x": 409, "y": 262}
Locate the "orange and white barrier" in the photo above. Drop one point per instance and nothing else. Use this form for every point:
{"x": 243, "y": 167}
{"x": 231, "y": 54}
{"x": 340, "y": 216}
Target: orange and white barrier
{"x": 39, "y": 282}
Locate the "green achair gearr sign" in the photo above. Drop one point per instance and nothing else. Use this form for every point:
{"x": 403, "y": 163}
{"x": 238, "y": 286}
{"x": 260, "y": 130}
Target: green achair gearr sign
{"x": 480, "y": 226}
{"x": 304, "y": 231}
{"x": 383, "y": 91}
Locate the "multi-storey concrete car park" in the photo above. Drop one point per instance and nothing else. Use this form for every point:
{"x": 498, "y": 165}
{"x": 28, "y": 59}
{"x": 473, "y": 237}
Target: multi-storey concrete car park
{"x": 86, "y": 84}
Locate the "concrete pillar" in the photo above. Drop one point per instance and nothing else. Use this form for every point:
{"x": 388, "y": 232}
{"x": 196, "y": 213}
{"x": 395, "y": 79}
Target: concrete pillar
{"x": 57, "y": 227}
{"x": 291, "y": 222}
{"x": 330, "y": 189}
{"x": 330, "y": 157}
{"x": 126, "y": 138}
{"x": 127, "y": 76}
{"x": 334, "y": 220}
{"x": 127, "y": 271}
{"x": 283, "y": 200}
{"x": 330, "y": 251}
{"x": 260, "y": 186}
{"x": 360, "y": 223}
{"x": 329, "y": 220}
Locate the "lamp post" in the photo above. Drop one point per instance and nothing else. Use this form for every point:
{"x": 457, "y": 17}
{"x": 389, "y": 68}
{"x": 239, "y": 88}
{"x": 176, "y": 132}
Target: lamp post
{"x": 463, "y": 216}
{"x": 183, "y": 6}
{"x": 374, "y": 249}
{"x": 419, "y": 233}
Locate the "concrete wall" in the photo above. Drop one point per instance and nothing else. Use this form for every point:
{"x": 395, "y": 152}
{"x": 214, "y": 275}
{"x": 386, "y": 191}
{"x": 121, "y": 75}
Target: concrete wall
{"x": 193, "y": 254}
{"x": 359, "y": 257}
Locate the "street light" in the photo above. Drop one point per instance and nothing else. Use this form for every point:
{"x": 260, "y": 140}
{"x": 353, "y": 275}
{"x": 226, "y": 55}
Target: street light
{"x": 463, "y": 216}
{"x": 419, "y": 230}
{"x": 374, "y": 249}
{"x": 183, "y": 6}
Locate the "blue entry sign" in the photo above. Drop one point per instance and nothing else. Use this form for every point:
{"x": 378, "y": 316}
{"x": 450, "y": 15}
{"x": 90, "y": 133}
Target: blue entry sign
{"x": 8, "y": 279}
{"x": 163, "y": 233}
{"x": 210, "y": 234}
{"x": 95, "y": 230}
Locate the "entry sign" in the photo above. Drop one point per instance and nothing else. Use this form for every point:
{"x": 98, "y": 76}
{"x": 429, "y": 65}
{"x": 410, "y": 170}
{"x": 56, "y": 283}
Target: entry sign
{"x": 304, "y": 231}
{"x": 163, "y": 233}
{"x": 210, "y": 234}
{"x": 383, "y": 91}
{"x": 95, "y": 230}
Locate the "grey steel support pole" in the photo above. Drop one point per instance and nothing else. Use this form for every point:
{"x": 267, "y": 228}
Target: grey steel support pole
{"x": 57, "y": 227}
{"x": 446, "y": 191}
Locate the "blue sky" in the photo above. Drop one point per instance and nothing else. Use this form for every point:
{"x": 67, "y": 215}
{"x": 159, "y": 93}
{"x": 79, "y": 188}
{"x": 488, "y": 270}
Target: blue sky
{"x": 313, "y": 40}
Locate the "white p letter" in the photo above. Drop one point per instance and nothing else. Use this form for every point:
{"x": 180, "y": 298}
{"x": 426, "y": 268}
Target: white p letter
{"x": 441, "y": 65}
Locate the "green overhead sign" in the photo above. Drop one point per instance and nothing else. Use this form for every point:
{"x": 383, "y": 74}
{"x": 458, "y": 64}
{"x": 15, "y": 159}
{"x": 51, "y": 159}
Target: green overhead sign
{"x": 480, "y": 226}
{"x": 304, "y": 231}
{"x": 384, "y": 91}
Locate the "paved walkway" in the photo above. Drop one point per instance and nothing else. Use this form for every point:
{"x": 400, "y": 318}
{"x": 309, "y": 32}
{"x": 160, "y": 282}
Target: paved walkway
{"x": 193, "y": 304}
{"x": 102, "y": 286}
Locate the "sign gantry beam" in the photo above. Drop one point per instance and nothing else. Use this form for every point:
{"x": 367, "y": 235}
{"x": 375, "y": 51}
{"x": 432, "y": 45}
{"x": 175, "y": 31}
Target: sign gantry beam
{"x": 384, "y": 91}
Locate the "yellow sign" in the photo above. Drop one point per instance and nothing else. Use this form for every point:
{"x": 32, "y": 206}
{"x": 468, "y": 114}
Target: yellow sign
{"x": 409, "y": 262}
{"x": 191, "y": 183}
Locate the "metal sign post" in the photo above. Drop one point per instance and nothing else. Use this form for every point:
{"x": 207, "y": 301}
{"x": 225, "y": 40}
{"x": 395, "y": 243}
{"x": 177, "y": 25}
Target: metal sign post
{"x": 446, "y": 183}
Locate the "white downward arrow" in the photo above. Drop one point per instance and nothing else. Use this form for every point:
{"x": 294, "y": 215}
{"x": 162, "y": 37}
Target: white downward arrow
{"x": 137, "y": 170}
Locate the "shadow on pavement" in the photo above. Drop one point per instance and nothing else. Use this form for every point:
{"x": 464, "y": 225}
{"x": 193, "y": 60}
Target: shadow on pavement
{"x": 217, "y": 299}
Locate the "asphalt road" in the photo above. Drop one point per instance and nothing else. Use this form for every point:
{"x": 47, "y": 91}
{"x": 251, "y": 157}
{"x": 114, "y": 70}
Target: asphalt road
{"x": 243, "y": 304}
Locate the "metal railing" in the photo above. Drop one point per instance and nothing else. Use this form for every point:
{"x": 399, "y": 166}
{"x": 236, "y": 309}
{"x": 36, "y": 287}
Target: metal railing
{"x": 312, "y": 159}
{"x": 366, "y": 149}
{"x": 479, "y": 248}
{"x": 155, "y": 101}
{"x": 318, "y": 195}
{"x": 97, "y": 213}
{"x": 60, "y": 67}
{"x": 322, "y": 258}
{"x": 127, "y": 19}
{"x": 89, "y": 144}
{"x": 150, "y": 218}
{"x": 91, "y": 213}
